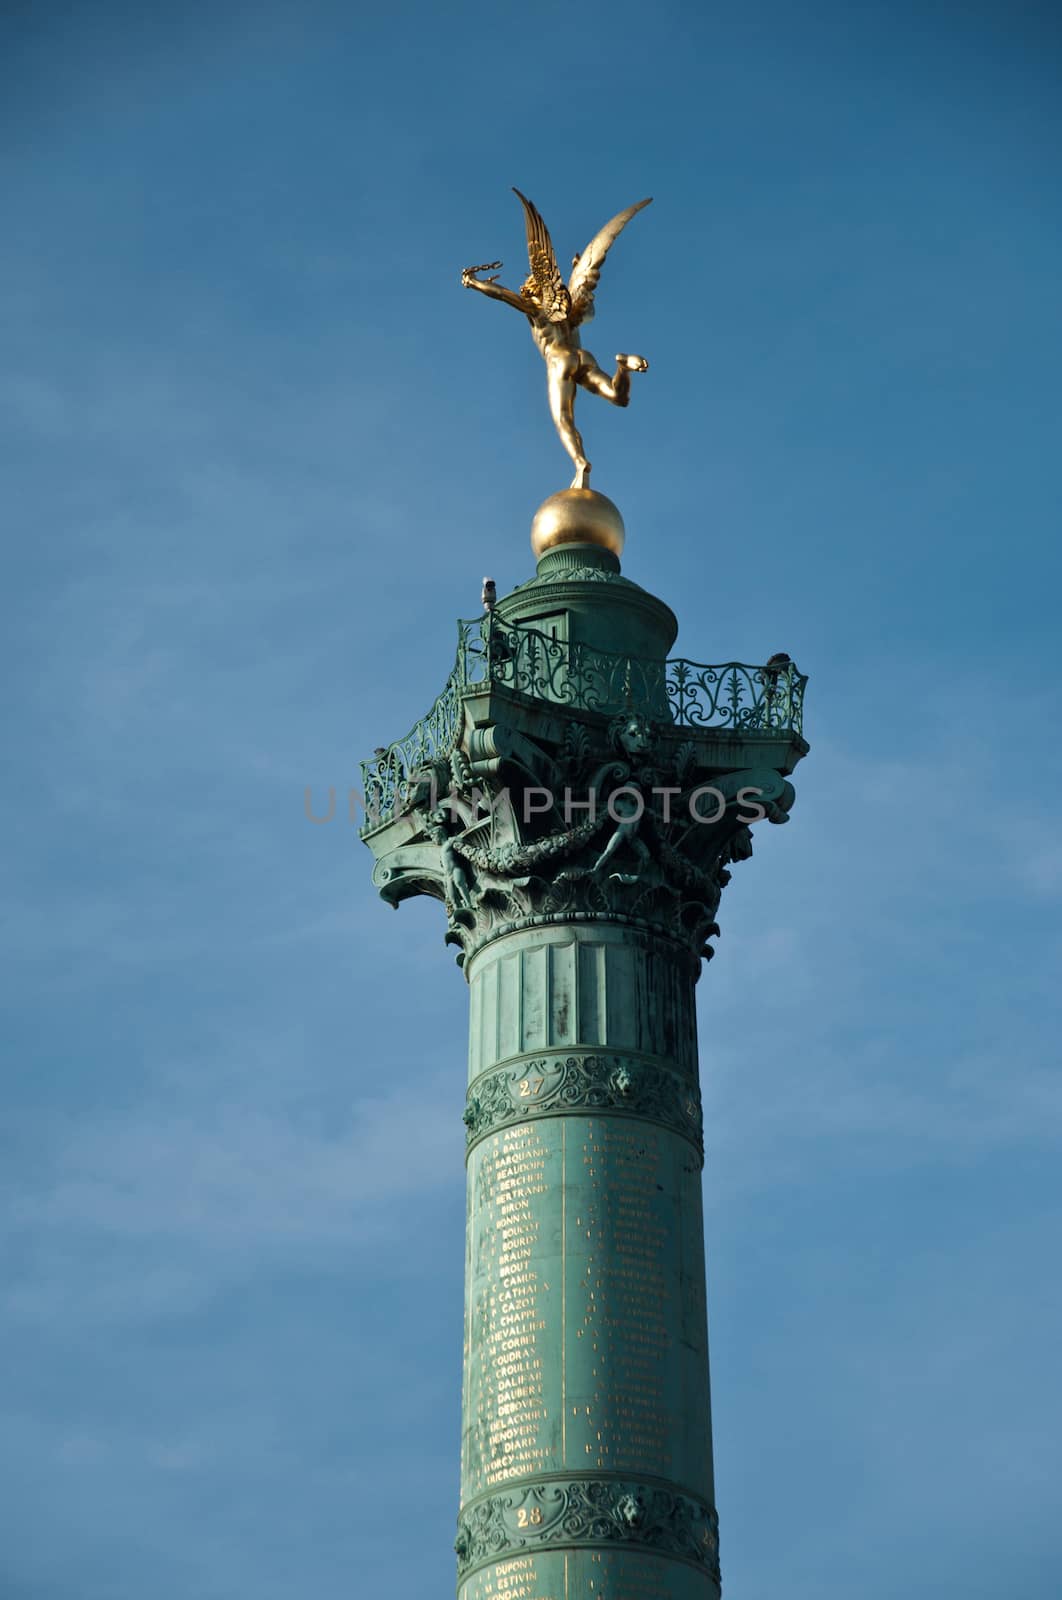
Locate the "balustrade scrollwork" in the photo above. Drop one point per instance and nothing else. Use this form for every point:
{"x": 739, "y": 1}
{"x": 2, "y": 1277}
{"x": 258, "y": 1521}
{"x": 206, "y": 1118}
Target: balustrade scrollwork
{"x": 735, "y": 696}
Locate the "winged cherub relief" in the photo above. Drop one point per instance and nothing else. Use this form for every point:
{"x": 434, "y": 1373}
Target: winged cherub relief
{"x": 556, "y": 310}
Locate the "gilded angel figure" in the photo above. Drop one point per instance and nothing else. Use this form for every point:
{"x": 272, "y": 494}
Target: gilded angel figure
{"x": 556, "y": 310}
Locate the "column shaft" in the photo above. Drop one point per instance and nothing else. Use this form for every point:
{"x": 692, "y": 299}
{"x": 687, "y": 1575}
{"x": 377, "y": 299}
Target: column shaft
{"x": 586, "y": 1465}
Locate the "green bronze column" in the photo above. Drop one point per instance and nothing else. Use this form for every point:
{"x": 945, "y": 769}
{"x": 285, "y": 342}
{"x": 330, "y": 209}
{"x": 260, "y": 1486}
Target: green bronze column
{"x": 575, "y": 799}
{"x": 586, "y": 1461}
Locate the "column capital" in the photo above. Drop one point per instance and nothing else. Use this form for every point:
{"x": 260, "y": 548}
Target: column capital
{"x": 597, "y": 817}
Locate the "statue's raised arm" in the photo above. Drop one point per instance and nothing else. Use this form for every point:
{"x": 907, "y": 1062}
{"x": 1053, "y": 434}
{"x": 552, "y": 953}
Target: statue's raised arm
{"x": 490, "y": 286}
{"x": 556, "y": 310}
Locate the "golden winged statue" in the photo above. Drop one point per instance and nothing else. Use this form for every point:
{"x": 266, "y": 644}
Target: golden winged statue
{"x": 556, "y": 310}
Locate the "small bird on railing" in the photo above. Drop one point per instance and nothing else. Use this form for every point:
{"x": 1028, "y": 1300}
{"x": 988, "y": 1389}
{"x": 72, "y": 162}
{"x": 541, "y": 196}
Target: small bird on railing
{"x": 490, "y": 594}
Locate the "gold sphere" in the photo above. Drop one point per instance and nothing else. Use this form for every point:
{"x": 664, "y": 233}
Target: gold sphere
{"x": 577, "y": 516}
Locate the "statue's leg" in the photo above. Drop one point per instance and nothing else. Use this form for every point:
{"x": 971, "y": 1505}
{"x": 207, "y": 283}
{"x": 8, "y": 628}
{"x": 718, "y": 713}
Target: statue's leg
{"x": 562, "y": 410}
{"x": 616, "y": 389}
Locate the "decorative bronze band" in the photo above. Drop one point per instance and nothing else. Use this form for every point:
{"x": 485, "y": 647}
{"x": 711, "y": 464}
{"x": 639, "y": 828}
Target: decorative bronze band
{"x": 582, "y": 1086}
{"x": 582, "y": 1512}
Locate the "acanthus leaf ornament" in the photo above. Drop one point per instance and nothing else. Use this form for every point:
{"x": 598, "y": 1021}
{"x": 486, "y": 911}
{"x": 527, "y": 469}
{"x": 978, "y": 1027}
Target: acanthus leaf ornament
{"x": 639, "y": 855}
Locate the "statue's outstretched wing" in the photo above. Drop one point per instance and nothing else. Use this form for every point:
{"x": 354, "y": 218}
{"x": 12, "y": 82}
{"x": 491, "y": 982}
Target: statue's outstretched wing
{"x": 587, "y": 270}
{"x": 545, "y": 286}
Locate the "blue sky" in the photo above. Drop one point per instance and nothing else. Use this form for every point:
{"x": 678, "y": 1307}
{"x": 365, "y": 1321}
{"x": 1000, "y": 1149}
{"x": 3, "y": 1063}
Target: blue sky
{"x": 258, "y": 451}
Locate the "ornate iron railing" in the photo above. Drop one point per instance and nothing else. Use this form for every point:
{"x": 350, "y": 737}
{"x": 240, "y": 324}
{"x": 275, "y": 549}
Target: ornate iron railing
{"x": 685, "y": 694}
{"x": 768, "y": 699}
{"x": 431, "y": 739}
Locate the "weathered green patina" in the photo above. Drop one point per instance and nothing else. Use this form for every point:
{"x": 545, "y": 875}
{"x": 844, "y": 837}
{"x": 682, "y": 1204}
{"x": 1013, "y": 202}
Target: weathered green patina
{"x": 576, "y": 800}
{"x": 535, "y": 647}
